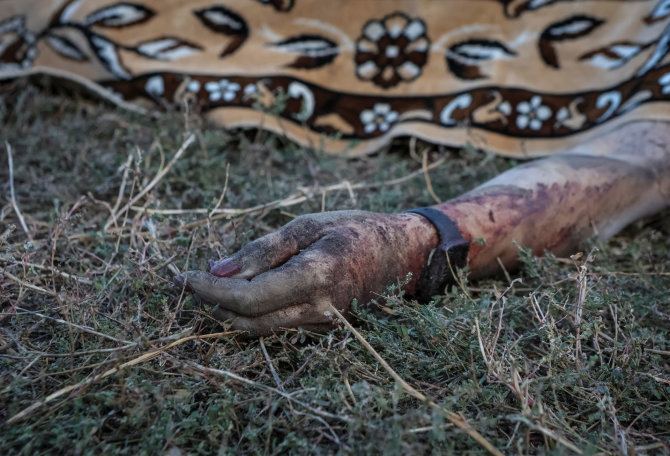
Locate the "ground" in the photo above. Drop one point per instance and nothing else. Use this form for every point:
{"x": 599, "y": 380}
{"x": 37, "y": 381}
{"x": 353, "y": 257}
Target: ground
{"x": 566, "y": 354}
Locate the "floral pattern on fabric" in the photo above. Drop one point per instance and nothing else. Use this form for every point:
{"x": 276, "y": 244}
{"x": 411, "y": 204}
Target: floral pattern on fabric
{"x": 392, "y": 50}
{"x": 366, "y": 77}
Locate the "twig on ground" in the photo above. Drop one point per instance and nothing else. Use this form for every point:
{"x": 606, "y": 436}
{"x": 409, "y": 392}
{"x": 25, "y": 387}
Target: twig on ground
{"x": 302, "y": 195}
{"x": 548, "y": 432}
{"x": 168, "y": 263}
{"x": 223, "y": 192}
{"x": 657, "y": 378}
{"x": 458, "y": 420}
{"x": 122, "y": 188}
{"x": 426, "y": 176}
{"x": 161, "y": 173}
{"x": 297, "y": 372}
{"x": 278, "y": 381}
{"x": 88, "y": 381}
{"x": 65, "y": 275}
{"x": 151, "y": 229}
{"x": 29, "y": 285}
{"x": 12, "y": 193}
{"x": 246, "y": 381}
{"x": 75, "y": 326}
{"x": 180, "y": 302}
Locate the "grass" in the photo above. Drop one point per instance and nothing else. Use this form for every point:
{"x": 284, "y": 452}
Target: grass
{"x": 573, "y": 354}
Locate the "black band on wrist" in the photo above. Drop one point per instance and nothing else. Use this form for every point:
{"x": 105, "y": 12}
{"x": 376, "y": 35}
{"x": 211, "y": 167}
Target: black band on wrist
{"x": 443, "y": 262}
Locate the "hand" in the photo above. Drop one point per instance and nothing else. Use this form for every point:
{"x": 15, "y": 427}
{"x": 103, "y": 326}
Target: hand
{"x": 290, "y": 278}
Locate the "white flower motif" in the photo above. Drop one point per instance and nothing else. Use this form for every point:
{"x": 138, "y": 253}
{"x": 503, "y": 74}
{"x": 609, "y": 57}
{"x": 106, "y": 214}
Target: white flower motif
{"x": 664, "y": 81}
{"x": 155, "y": 86}
{"x": 224, "y": 89}
{"x": 250, "y": 90}
{"x": 532, "y": 114}
{"x": 193, "y": 86}
{"x": 380, "y": 117}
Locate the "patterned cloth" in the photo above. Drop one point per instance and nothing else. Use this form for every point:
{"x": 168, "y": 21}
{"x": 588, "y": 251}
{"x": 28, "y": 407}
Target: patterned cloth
{"x": 518, "y": 77}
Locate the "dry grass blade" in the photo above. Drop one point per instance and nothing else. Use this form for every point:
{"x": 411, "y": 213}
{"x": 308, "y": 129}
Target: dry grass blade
{"x": 29, "y": 285}
{"x": 161, "y": 173}
{"x": 133, "y": 362}
{"x": 11, "y": 190}
{"x": 426, "y": 176}
{"x": 293, "y": 199}
{"x": 246, "y": 381}
{"x": 532, "y": 370}
{"x": 75, "y": 326}
{"x": 122, "y": 188}
{"x": 457, "y": 420}
{"x": 548, "y": 432}
{"x": 223, "y": 192}
{"x": 271, "y": 367}
{"x": 65, "y": 275}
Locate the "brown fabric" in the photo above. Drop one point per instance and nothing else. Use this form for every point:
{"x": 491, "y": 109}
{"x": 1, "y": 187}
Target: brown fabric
{"x": 518, "y": 77}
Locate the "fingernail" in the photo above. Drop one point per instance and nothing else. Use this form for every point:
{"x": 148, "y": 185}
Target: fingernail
{"x": 179, "y": 281}
{"x": 223, "y": 268}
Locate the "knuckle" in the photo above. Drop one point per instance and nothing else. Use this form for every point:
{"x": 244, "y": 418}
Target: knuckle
{"x": 302, "y": 222}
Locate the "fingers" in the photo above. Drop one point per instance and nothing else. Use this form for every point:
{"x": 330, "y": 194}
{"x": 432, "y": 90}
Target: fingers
{"x": 270, "y": 251}
{"x": 314, "y": 317}
{"x": 302, "y": 279}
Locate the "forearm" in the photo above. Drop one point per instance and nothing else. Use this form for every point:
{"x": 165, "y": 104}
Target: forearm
{"x": 555, "y": 203}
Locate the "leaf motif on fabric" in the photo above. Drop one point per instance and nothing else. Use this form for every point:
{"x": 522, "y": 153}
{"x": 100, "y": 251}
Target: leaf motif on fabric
{"x": 660, "y": 12}
{"x": 514, "y": 8}
{"x": 69, "y": 9}
{"x": 279, "y": 5}
{"x": 14, "y": 24}
{"x": 65, "y": 13}
{"x": 302, "y": 92}
{"x": 65, "y": 47}
{"x": 461, "y": 102}
{"x": 463, "y": 58}
{"x": 17, "y": 45}
{"x": 167, "y": 48}
{"x": 117, "y": 15}
{"x": 613, "y": 56}
{"x": 314, "y": 51}
{"x": 227, "y": 22}
{"x": 661, "y": 50}
{"x": 108, "y": 55}
{"x": 571, "y": 28}
{"x": 633, "y": 102}
{"x": 609, "y": 101}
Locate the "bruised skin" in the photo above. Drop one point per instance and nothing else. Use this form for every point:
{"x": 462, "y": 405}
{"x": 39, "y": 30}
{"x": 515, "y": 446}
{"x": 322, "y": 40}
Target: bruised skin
{"x": 289, "y": 278}
{"x": 557, "y": 203}
{"x": 585, "y": 196}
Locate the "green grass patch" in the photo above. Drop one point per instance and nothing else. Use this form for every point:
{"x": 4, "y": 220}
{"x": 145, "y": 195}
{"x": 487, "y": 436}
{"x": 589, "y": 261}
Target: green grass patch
{"x": 575, "y": 351}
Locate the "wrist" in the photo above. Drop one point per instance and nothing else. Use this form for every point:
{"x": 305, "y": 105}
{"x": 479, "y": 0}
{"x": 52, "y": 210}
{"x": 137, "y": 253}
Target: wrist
{"x": 448, "y": 254}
